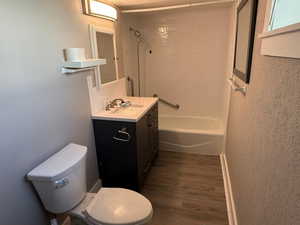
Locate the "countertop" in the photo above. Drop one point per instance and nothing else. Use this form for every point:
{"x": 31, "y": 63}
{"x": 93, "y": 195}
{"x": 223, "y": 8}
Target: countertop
{"x": 140, "y": 106}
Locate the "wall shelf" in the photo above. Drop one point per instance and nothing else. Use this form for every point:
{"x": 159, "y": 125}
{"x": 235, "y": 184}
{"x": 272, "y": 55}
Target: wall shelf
{"x": 80, "y": 66}
{"x": 72, "y": 70}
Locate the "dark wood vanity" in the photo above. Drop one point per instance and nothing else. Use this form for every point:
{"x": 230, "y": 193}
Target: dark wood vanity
{"x": 126, "y": 149}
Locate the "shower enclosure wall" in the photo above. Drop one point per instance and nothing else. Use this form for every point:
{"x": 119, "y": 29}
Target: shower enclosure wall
{"x": 183, "y": 58}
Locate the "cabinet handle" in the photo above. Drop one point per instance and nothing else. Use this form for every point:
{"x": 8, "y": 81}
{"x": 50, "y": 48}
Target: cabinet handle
{"x": 149, "y": 120}
{"x": 147, "y": 168}
{"x": 123, "y": 131}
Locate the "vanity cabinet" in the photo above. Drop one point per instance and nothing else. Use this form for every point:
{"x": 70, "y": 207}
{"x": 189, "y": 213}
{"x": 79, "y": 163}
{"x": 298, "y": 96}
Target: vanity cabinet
{"x": 126, "y": 150}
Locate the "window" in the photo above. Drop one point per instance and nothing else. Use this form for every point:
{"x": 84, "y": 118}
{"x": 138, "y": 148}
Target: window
{"x": 284, "y": 13}
{"x": 281, "y": 35}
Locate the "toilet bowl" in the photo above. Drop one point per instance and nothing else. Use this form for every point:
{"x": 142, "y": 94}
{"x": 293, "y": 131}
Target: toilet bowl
{"x": 112, "y": 206}
{"x": 61, "y": 184}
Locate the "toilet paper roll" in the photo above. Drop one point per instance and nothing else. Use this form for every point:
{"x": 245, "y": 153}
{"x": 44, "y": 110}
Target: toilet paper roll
{"x": 74, "y": 54}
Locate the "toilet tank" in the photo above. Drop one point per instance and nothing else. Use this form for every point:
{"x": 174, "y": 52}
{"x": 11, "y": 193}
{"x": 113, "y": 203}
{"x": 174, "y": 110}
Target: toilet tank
{"x": 61, "y": 180}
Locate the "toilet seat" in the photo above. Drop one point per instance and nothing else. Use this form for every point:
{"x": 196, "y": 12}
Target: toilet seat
{"x": 118, "y": 206}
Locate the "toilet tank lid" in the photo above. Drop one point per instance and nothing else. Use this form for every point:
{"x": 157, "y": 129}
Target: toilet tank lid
{"x": 58, "y": 165}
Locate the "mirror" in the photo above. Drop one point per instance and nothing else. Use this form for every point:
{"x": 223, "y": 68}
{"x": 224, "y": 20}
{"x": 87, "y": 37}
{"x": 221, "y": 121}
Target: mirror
{"x": 104, "y": 46}
{"x": 245, "y": 31}
{"x": 105, "y": 49}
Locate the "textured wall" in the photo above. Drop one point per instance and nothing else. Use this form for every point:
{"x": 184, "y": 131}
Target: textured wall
{"x": 189, "y": 58}
{"x": 263, "y": 146}
{"x": 41, "y": 110}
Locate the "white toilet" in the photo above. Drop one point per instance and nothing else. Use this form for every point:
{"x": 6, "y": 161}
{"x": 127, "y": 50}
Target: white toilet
{"x": 61, "y": 184}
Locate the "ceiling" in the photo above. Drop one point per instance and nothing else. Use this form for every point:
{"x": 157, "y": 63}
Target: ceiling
{"x": 137, "y": 4}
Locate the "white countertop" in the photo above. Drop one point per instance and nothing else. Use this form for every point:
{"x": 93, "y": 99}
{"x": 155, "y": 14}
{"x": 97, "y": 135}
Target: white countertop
{"x": 140, "y": 106}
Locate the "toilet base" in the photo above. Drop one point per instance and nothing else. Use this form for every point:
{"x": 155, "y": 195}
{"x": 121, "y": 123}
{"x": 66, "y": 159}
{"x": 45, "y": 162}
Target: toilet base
{"x": 79, "y": 221}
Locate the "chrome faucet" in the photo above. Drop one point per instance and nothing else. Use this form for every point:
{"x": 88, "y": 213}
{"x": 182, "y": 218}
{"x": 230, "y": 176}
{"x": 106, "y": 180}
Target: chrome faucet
{"x": 114, "y": 103}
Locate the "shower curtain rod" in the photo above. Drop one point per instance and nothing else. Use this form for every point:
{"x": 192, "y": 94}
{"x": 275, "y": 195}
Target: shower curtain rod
{"x": 177, "y": 6}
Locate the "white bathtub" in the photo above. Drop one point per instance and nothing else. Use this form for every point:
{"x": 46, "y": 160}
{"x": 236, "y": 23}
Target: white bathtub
{"x": 190, "y": 134}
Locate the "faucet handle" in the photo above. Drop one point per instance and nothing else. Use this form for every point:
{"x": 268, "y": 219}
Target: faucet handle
{"x": 126, "y": 104}
{"x": 114, "y": 103}
{"x": 109, "y": 105}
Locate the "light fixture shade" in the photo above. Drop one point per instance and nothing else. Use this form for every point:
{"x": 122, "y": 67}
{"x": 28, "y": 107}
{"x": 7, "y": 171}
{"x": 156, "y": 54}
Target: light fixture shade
{"x": 99, "y": 9}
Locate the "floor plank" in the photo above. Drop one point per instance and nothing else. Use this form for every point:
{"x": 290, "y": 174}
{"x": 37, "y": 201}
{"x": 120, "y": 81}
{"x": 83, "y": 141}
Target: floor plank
{"x": 186, "y": 189}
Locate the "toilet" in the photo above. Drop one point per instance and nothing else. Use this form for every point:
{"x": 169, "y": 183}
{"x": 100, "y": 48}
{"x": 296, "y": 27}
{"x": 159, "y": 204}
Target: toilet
{"x": 61, "y": 184}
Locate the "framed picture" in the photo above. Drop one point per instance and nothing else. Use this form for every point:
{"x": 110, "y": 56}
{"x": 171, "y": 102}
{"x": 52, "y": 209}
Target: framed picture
{"x": 245, "y": 32}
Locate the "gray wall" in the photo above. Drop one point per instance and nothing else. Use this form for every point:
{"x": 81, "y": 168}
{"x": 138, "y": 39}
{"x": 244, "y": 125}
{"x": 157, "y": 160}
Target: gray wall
{"x": 41, "y": 110}
{"x": 263, "y": 147}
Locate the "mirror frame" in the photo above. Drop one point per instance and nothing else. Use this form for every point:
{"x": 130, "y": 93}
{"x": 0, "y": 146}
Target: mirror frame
{"x": 93, "y": 30}
{"x": 245, "y": 76}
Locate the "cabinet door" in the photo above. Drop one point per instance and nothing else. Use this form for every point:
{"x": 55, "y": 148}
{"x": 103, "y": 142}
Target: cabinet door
{"x": 116, "y": 152}
{"x": 153, "y": 131}
{"x": 147, "y": 142}
{"x": 142, "y": 147}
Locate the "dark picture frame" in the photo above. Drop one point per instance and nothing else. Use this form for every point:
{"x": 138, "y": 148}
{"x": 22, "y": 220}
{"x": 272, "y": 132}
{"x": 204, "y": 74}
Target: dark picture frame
{"x": 245, "y": 41}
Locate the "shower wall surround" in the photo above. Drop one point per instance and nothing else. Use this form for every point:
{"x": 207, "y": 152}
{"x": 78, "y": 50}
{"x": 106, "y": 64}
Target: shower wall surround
{"x": 129, "y": 48}
{"x": 184, "y": 58}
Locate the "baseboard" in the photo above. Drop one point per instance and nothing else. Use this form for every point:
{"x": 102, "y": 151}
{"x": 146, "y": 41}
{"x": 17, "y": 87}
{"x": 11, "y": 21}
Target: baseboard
{"x": 96, "y": 186}
{"x": 231, "y": 210}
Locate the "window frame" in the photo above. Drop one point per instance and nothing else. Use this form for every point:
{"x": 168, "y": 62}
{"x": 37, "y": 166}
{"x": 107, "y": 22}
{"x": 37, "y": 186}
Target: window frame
{"x": 282, "y": 42}
{"x": 245, "y": 76}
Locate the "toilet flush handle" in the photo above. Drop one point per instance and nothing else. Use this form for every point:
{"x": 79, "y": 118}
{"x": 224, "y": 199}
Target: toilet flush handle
{"x": 61, "y": 183}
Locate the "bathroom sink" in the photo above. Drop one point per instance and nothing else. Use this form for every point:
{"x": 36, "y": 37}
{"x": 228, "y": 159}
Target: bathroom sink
{"x": 128, "y": 112}
{"x": 133, "y": 109}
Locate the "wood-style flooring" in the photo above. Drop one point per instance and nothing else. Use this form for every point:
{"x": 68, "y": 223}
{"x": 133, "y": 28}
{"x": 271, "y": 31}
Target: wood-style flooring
{"x": 186, "y": 189}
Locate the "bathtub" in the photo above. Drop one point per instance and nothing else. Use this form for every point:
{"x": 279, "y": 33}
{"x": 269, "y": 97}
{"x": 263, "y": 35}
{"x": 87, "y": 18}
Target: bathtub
{"x": 190, "y": 134}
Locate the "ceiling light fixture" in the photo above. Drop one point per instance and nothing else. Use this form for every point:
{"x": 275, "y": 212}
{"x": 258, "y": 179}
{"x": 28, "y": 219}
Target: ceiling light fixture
{"x": 99, "y": 9}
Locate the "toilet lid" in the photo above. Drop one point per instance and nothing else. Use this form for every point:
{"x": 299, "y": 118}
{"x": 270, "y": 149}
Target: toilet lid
{"x": 118, "y": 206}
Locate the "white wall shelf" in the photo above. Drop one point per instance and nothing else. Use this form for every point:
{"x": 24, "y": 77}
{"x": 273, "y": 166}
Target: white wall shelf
{"x": 84, "y": 63}
{"x": 80, "y": 66}
{"x": 72, "y": 70}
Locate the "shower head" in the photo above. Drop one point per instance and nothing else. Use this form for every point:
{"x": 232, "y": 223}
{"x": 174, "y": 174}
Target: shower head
{"x": 137, "y": 33}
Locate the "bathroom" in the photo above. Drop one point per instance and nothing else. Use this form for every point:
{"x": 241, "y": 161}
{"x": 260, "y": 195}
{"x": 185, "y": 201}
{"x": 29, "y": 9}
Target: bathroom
{"x": 224, "y": 144}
